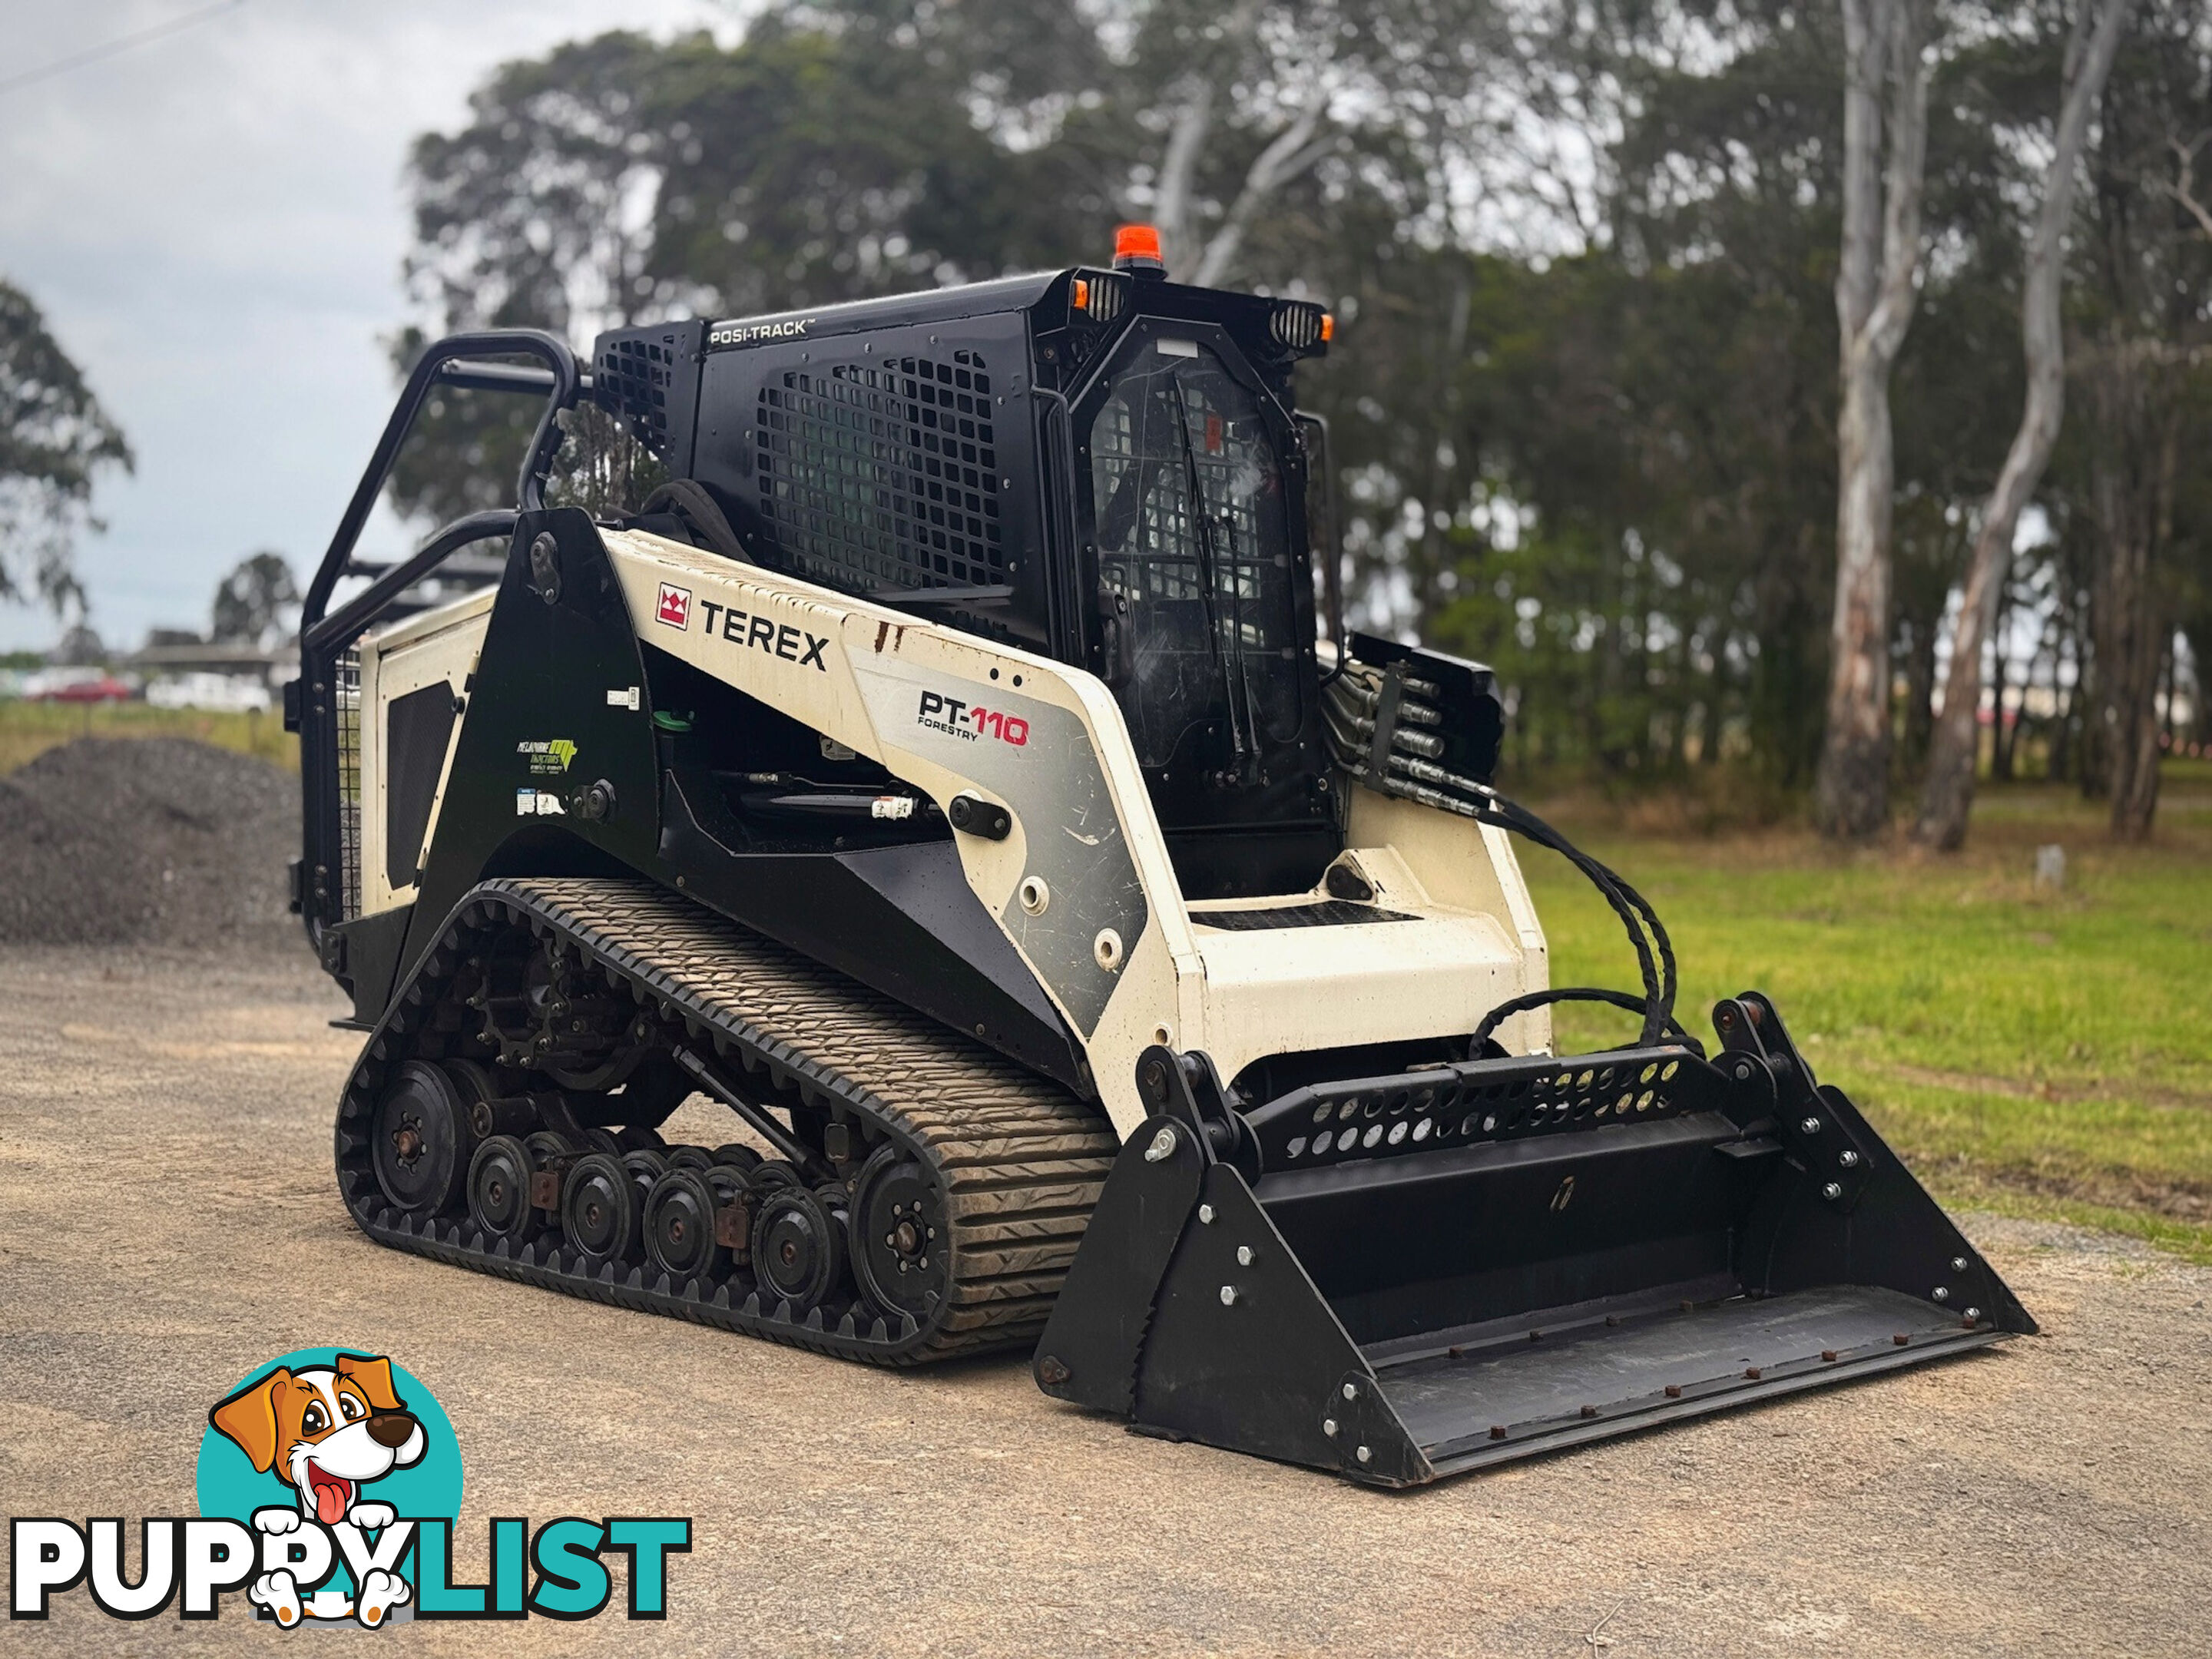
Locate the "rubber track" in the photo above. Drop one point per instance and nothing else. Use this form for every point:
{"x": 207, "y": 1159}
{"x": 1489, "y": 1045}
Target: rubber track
{"x": 1020, "y": 1161}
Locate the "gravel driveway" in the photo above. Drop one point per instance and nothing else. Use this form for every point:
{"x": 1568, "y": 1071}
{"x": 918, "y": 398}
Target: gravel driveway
{"x": 167, "y": 1221}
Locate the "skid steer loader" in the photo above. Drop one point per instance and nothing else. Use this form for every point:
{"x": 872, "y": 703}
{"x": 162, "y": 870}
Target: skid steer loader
{"x": 950, "y": 768}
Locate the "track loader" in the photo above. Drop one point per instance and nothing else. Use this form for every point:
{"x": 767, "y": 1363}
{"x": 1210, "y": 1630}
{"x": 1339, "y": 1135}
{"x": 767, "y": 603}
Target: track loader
{"x": 950, "y": 768}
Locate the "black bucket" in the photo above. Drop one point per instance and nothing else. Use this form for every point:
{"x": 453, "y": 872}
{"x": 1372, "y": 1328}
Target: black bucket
{"x": 1405, "y": 1277}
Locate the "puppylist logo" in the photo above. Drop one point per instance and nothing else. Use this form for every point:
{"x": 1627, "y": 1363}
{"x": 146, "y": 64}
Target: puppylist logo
{"x": 329, "y": 1485}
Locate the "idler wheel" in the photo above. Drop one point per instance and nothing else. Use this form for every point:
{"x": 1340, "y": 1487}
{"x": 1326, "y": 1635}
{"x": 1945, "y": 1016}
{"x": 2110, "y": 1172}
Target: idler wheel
{"x": 599, "y": 1211}
{"x": 596, "y": 1076}
{"x": 798, "y": 1247}
{"x": 900, "y": 1239}
{"x": 420, "y": 1141}
{"x": 679, "y": 1227}
{"x": 499, "y": 1190}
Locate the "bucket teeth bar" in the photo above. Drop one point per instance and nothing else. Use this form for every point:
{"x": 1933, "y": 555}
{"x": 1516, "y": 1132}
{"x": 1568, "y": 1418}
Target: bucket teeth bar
{"x": 1401, "y": 1278}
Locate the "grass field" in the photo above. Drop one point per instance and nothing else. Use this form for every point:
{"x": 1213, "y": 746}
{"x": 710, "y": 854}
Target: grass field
{"x": 28, "y": 730}
{"x": 2045, "y": 1054}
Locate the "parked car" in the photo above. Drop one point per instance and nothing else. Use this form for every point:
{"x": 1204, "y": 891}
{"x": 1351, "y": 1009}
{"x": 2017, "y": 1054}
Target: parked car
{"x": 227, "y": 693}
{"x": 74, "y": 685}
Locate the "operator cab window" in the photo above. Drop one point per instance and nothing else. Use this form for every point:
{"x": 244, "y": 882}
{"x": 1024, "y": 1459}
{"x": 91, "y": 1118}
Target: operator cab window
{"x": 1194, "y": 534}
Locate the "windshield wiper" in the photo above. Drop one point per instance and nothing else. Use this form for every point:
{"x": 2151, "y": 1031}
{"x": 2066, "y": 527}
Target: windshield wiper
{"x": 1244, "y": 668}
{"x": 1203, "y": 551}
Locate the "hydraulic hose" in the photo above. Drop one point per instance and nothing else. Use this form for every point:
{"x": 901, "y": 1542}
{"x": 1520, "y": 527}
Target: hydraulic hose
{"x": 1348, "y": 708}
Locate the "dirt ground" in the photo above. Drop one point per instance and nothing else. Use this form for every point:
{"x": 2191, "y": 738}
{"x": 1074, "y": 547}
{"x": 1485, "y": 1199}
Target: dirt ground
{"x": 167, "y": 1221}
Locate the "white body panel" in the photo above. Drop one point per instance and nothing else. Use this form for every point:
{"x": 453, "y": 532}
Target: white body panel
{"x": 434, "y": 646}
{"x": 866, "y": 676}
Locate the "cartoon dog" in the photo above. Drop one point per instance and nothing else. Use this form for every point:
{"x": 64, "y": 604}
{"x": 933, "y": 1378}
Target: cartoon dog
{"x": 328, "y": 1429}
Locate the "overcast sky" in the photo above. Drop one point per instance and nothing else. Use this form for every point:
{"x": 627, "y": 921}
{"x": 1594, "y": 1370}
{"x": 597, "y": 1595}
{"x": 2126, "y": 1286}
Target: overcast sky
{"x": 212, "y": 223}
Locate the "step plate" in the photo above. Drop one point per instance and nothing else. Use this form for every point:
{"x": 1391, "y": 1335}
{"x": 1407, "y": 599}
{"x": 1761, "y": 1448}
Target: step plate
{"x": 1594, "y": 1381}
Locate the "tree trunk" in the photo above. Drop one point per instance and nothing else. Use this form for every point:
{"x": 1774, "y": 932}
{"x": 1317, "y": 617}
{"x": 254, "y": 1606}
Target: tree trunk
{"x": 1919, "y": 689}
{"x": 2092, "y": 767}
{"x": 2169, "y": 677}
{"x": 1205, "y": 261}
{"x": 2061, "y": 764}
{"x": 2000, "y": 740}
{"x": 2067, "y": 647}
{"x": 1850, "y": 789}
{"x": 2129, "y": 649}
{"x": 1285, "y": 156}
{"x": 2049, "y": 648}
{"x": 1874, "y": 299}
{"x": 1172, "y": 206}
{"x": 2132, "y": 474}
{"x": 1947, "y": 795}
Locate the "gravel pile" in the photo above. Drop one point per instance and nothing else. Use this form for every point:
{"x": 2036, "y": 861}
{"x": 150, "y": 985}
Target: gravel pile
{"x": 145, "y": 841}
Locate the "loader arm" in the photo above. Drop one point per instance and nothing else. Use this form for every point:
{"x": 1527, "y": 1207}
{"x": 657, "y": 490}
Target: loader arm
{"x": 1081, "y": 880}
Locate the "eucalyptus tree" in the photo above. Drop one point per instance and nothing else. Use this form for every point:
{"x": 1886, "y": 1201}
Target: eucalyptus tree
{"x": 2143, "y": 355}
{"x": 1947, "y": 793}
{"x": 1884, "y": 153}
{"x": 56, "y": 441}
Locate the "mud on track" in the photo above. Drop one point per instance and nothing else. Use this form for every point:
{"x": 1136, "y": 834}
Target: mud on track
{"x": 168, "y": 1220}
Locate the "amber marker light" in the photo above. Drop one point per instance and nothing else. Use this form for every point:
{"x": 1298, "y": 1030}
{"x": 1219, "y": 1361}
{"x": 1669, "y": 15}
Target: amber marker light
{"x": 1082, "y": 294}
{"x": 1137, "y": 251}
{"x": 1327, "y": 328}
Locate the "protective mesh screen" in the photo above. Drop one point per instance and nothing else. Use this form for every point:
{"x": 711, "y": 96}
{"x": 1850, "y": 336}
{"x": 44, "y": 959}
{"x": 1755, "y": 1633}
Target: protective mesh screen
{"x": 345, "y": 708}
{"x": 884, "y": 475}
{"x": 631, "y": 378}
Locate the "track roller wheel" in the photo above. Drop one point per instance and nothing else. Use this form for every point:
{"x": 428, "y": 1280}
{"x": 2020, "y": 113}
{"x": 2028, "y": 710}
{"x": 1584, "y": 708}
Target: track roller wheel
{"x": 679, "y": 1225}
{"x": 420, "y": 1141}
{"x": 798, "y": 1247}
{"x": 599, "y": 1211}
{"x": 899, "y": 1234}
{"x": 738, "y": 1156}
{"x": 499, "y": 1190}
{"x": 636, "y": 1137}
{"x": 690, "y": 1158}
{"x": 771, "y": 1175}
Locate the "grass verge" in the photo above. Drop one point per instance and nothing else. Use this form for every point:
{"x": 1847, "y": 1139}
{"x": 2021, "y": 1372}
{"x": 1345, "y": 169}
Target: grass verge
{"x": 2045, "y": 1054}
{"x": 28, "y": 730}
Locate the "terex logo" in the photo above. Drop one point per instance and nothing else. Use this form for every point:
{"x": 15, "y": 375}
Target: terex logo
{"x": 777, "y": 639}
{"x": 675, "y": 606}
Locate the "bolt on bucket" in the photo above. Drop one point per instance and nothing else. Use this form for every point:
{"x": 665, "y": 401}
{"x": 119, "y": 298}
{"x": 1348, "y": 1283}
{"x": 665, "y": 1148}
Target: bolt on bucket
{"x": 1401, "y": 1278}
